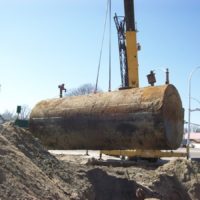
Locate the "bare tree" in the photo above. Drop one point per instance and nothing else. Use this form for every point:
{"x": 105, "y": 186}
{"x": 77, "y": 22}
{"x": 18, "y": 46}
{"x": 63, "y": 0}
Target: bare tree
{"x": 25, "y": 112}
{"x": 9, "y": 116}
{"x": 12, "y": 116}
{"x": 82, "y": 90}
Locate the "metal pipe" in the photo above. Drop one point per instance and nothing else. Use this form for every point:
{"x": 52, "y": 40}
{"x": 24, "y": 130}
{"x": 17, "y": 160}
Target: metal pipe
{"x": 166, "y": 71}
{"x": 167, "y": 76}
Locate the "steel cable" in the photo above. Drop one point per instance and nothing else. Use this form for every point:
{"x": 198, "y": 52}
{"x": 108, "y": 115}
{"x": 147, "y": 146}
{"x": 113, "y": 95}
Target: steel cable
{"x": 109, "y": 87}
{"x": 102, "y": 42}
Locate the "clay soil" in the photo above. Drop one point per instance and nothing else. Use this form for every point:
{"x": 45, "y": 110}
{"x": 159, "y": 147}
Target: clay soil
{"x": 29, "y": 171}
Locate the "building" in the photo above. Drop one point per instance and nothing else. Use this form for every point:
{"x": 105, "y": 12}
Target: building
{"x": 194, "y": 137}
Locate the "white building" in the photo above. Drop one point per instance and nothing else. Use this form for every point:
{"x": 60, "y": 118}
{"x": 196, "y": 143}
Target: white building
{"x": 194, "y": 137}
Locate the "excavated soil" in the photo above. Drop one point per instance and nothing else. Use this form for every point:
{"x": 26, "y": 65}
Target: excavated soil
{"x": 29, "y": 171}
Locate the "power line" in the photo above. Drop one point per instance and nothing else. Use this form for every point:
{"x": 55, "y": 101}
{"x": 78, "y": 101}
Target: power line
{"x": 102, "y": 42}
{"x": 192, "y": 123}
{"x": 110, "y": 7}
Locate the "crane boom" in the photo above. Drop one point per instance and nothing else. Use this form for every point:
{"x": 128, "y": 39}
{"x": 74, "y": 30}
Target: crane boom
{"x": 131, "y": 44}
{"x": 129, "y": 15}
{"x": 128, "y": 47}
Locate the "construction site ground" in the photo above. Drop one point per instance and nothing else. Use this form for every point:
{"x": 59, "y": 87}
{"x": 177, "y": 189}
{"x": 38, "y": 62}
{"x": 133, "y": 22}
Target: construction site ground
{"x": 29, "y": 171}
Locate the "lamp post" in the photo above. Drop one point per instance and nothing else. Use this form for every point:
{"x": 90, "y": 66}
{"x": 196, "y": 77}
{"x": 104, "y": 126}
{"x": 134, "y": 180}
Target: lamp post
{"x": 189, "y": 109}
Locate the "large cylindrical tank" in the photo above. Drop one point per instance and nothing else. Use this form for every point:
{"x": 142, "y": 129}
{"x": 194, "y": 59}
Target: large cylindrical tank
{"x": 138, "y": 118}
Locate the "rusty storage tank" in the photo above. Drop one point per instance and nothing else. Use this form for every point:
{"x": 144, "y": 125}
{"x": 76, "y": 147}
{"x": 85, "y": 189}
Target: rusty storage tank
{"x": 138, "y": 118}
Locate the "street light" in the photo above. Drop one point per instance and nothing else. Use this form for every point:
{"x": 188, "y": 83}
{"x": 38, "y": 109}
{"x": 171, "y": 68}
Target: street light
{"x": 189, "y": 109}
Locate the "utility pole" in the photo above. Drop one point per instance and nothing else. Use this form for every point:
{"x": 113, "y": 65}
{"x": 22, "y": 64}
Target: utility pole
{"x": 189, "y": 109}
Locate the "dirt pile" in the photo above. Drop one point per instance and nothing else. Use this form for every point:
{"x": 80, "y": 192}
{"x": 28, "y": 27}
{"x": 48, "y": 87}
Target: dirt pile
{"x": 176, "y": 180}
{"x": 179, "y": 179}
{"x": 28, "y": 171}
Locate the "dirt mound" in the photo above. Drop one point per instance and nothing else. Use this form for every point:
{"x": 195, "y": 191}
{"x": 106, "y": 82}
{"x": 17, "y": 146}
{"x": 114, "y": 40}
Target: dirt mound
{"x": 179, "y": 179}
{"x": 176, "y": 180}
{"x": 29, "y": 171}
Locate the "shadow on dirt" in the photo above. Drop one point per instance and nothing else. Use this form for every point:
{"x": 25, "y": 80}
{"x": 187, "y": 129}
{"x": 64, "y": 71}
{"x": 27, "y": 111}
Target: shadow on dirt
{"x": 110, "y": 187}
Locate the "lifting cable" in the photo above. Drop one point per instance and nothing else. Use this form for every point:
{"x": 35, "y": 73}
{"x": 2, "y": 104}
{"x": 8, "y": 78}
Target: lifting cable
{"x": 102, "y": 42}
{"x": 109, "y": 87}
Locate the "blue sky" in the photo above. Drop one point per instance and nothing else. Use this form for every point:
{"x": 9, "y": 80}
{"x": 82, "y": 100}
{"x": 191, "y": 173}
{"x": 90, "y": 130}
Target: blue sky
{"x": 44, "y": 43}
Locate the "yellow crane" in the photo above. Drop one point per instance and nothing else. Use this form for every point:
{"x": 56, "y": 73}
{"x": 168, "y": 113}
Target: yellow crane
{"x": 128, "y": 46}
